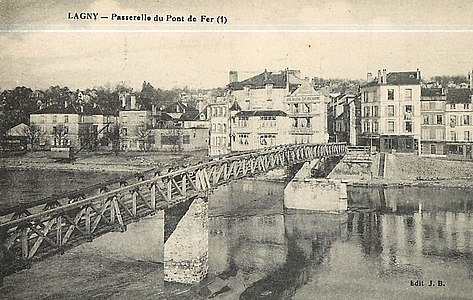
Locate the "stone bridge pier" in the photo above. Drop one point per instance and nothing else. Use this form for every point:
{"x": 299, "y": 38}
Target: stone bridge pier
{"x": 186, "y": 241}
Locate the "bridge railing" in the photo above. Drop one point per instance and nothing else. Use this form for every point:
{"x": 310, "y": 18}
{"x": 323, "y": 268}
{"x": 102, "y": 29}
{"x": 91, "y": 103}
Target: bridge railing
{"x": 45, "y": 229}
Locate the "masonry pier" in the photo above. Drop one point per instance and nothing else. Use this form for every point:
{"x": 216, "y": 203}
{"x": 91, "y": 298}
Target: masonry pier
{"x": 186, "y": 247}
{"x": 318, "y": 194}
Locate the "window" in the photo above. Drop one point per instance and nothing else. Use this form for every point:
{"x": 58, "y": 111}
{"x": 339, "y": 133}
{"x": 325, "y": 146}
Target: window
{"x": 408, "y": 94}
{"x": 439, "y": 119}
{"x": 367, "y": 111}
{"x": 54, "y": 119}
{"x": 390, "y": 126}
{"x": 124, "y": 131}
{"x": 186, "y": 139}
{"x": 268, "y": 121}
{"x": 375, "y": 126}
{"x": 466, "y": 120}
{"x": 365, "y": 96}
{"x": 390, "y": 94}
{"x": 43, "y": 119}
{"x": 453, "y": 136}
{"x": 433, "y": 149}
{"x": 408, "y": 126}
{"x": 408, "y": 111}
{"x": 453, "y": 121}
{"x": 425, "y": 120}
{"x": 242, "y": 121}
{"x": 243, "y": 139}
{"x": 375, "y": 111}
{"x": 66, "y": 129}
{"x": 390, "y": 110}
{"x": 268, "y": 139}
{"x": 224, "y": 128}
{"x": 467, "y": 135}
{"x": 66, "y": 119}
{"x": 466, "y": 106}
{"x": 452, "y": 106}
{"x": 425, "y": 134}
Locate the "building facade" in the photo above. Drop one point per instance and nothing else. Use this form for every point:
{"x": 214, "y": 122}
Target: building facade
{"x": 433, "y": 118}
{"x": 391, "y": 111}
{"x": 459, "y": 125}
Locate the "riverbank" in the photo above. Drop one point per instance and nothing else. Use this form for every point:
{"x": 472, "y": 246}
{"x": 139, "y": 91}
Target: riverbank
{"x": 411, "y": 170}
{"x": 102, "y": 162}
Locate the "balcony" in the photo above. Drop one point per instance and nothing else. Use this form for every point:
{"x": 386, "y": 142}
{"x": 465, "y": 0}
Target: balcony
{"x": 301, "y": 130}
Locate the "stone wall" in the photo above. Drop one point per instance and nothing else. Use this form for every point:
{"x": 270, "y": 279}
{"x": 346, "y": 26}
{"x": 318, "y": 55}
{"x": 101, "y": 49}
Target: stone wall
{"x": 186, "y": 250}
{"x": 326, "y": 195}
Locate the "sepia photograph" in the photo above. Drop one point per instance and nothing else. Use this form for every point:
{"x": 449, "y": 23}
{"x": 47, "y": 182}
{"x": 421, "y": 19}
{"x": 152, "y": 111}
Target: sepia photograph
{"x": 305, "y": 149}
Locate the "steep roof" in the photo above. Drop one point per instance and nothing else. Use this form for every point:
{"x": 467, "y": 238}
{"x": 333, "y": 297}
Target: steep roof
{"x": 400, "y": 78}
{"x": 431, "y": 92}
{"x": 189, "y": 115}
{"x": 458, "y": 96}
{"x": 259, "y": 81}
{"x": 305, "y": 89}
{"x": 258, "y": 113}
{"x": 57, "y": 109}
{"x": 177, "y": 107}
{"x": 235, "y": 106}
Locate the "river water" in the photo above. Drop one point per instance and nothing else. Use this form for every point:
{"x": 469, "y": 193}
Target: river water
{"x": 390, "y": 241}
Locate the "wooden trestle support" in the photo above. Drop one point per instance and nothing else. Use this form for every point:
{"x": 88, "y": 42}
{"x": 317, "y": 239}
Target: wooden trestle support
{"x": 60, "y": 223}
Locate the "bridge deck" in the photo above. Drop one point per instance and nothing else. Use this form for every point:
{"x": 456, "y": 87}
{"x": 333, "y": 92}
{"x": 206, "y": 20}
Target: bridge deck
{"x": 58, "y": 223}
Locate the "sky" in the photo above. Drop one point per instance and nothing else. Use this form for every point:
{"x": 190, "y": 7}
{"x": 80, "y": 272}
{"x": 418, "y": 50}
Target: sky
{"x": 41, "y": 47}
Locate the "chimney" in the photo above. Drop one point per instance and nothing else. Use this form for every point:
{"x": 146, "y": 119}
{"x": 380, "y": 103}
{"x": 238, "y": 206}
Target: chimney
{"x": 123, "y": 98}
{"x": 265, "y": 74}
{"x": 133, "y": 102}
{"x": 369, "y": 77}
{"x": 471, "y": 79}
{"x": 379, "y": 76}
{"x": 233, "y": 76}
{"x": 384, "y": 76}
{"x": 417, "y": 74}
{"x": 65, "y": 104}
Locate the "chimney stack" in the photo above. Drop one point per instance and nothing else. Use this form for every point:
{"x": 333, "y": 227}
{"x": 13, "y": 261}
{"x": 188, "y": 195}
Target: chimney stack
{"x": 471, "y": 79}
{"x": 133, "y": 102}
{"x": 369, "y": 77}
{"x": 379, "y": 76}
{"x": 123, "y": 98}
{"x": 233, "y": 76}
{"x": 65, "y": 104}
{"x": 265, "y": 74}
{"x": 418, "y": 74}
{"x": 384, "y": 76}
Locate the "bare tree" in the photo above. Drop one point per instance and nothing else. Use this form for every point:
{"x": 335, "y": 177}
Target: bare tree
{"x": 143, "y": 131}
{"x": 60, "y": 132}
{"x": 33, "y": 135}
{"x": 175, "y": 138}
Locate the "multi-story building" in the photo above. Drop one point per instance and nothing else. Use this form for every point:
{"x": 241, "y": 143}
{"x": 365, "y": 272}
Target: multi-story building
{"x": 344, "y": 119}
{"x": 219, "y": 114}
{"x": 432, "y": 108}
{"x": 391, "y": 111}
{"x": 307, "y": 110}
{"x": 255, "y": 129}
{"x": 267, "y": 109}
{"x": 459, "y": 124}
{"x": 70, "y": 125}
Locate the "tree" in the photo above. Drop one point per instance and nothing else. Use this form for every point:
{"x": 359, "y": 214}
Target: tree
{"x": 33, "y": 135}
{"x": 60, "y": 135}
{"x": 114, "y": 134}
{"x": 143, "y": 131}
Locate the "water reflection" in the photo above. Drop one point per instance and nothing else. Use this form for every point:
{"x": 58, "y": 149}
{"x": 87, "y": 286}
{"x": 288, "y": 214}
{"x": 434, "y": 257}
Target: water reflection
{"x": 387, "y": 239}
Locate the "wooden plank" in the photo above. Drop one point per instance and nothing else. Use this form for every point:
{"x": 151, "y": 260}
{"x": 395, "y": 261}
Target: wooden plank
{"x": 24, "y": 242}
{"x": 100, "y": 215}
{"x": 117, "y": 212}
{"x": 133, "y": 203}
{"x": 42, "y": 236}
{"x": 59, "y": 231}
{"x": 177, "y": 186}
{"x": 123, "y": 205}
{"x": 74, "y": 225}
{"x": 153, "y": 196}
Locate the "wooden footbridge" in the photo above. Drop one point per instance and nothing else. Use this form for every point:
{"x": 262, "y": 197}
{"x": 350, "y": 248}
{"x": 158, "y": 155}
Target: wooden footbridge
{"x": 55, "y": 224}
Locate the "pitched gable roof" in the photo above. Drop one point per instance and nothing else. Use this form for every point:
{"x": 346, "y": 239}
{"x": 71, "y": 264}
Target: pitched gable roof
{"x": 258, "y": 113}
{"x": 305, "y": 89}
{"x": 458, "y": 96}
{"x": 57, "y": 109}
{"x": 400, "y": 78}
